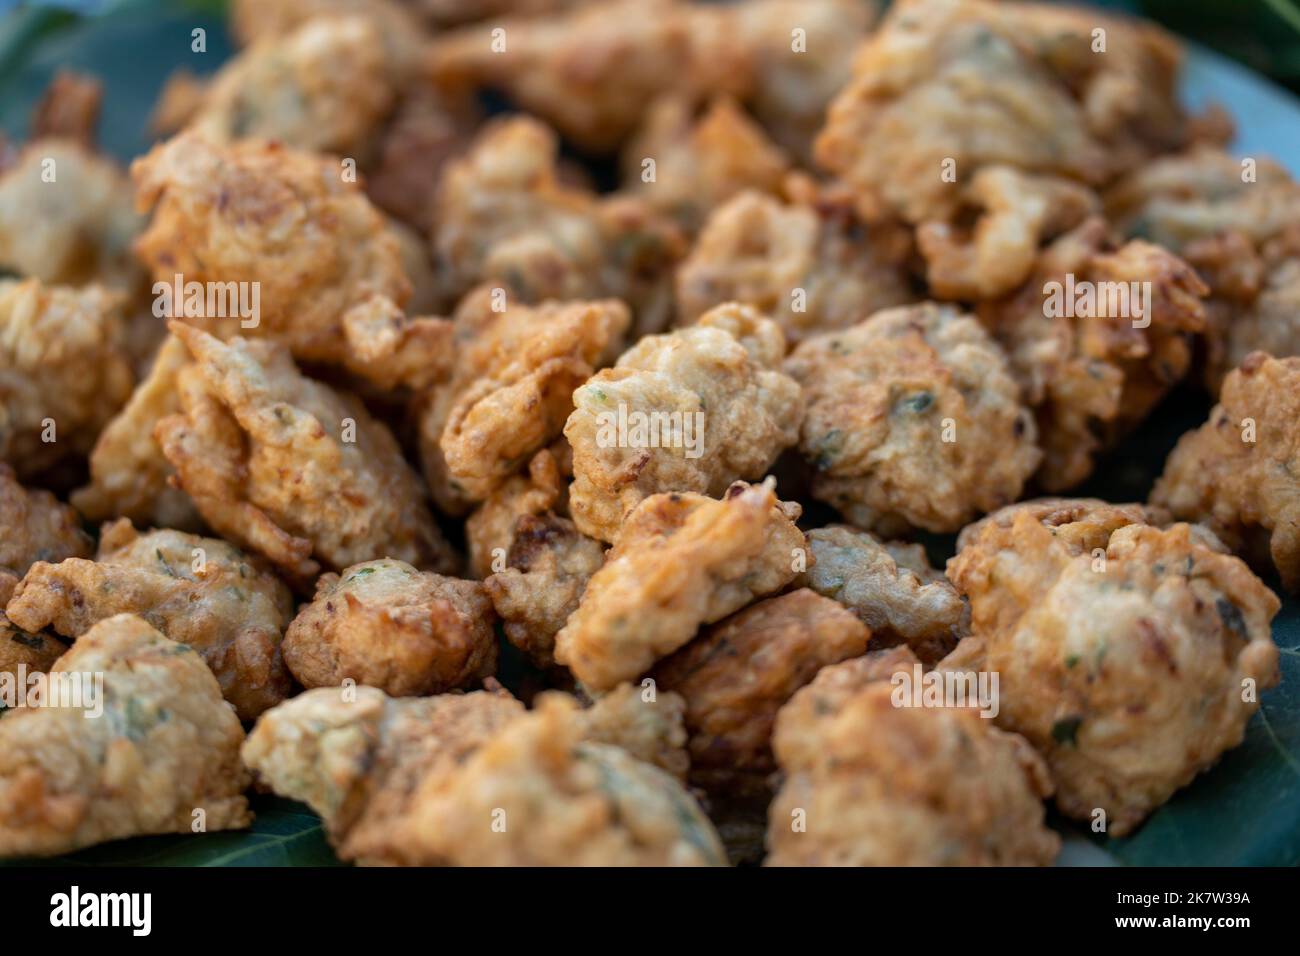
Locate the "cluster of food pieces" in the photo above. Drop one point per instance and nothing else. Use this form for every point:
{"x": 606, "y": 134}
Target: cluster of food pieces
{"x": 662, "y": 446}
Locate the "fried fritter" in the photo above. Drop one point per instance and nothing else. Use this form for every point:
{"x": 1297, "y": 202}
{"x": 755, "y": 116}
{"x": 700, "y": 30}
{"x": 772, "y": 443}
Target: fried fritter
{"x": 811, "y": 266}
{"x": 948, "y": 93}
{"x": 644, "y": 721}
{"x": 34, "y": 526}
{"x": 128, "y": 472}
{"x": 64, "y": 370}
{"x": 201, "y": 592}
{"x": 691, "y": 410}
{"x": 541, "y": 488}
{"x": 738, "y": 673}
{"x": 922, "y": 786}
{"x": 913, "y": 420}
{"x": 1092, "y": 368}
{"x": 162, "y": 757}
{"x": 512, "y": 389}
{"x": 1131, "y": 657}
{"x": 1237, "y": 472}
{"x": 386, "y": 625}
{"x": 404, "y": 781}
{"x": 258, "y": 21}
{"x": 23, "y": 652}
{"x": 890, "y": 586}
{"x": 289, "y": 467}
{"x": 288, "y": 224}
{"x": 699, "y": 163}
{"x": 682, "y": 560}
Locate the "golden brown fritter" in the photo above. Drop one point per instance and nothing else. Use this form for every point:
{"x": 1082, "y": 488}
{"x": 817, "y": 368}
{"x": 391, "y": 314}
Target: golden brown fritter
{"x": 591, "y": 72}
{"x": 69, "y": 109}
{"x": 682, "y": 560}
{"x": 66, "y": 217}
{"x": 386, "y": 625}
{"x": 503, "y": 215}
{"x": 287, "y": 223}
{"x": 952, "y": 101}
{"x": 926, "y": 786}
{"x": 690, "y": 410}
{"x": 23, "y": 653}
{"x": 541, "y": 488}
{"x": 890, "y": 586}
{"x": 810, "y": 265}
{"x": 512, "y": 389}
{"x": 64, "y": 370}
{"x": 162, "y": 757}
{"x": 128, "y": 472}
{"x": 404, "y": 781}
{"x": 1096, "y": 338}
{"x": 198, "y": 591}
{"x": 1237, "y": 472}
{"x": 289, "y": 467}
{"x": 34, "y": 526}
{"x": 326, "y": 87}
{"x": 738, "y": 673}
{"x": 1131, "y": 657}
{"x": 699, "y": 163}
{"x": 1234, "y": 220}
{"x": 913, "y": 420}
{"x": 644, "y": 721}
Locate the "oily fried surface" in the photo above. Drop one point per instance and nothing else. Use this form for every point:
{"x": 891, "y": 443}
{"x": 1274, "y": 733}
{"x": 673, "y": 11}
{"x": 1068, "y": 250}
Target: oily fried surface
{"x": 164, "y": 747}
{"x": 1092, "y": 372}
{"x": 128, "y": 472}
{"x": 288, "y": 467}
{"x": 926, "y": 786}
{"x": 699, "y": 163}
{"x": 913, "y": 420}
{"x": 890, "y": 586}
{"x": 717, "y": 383}
{"x": 29, "y": 651}
{"x": 258, "y": 212}
{"x": 201, "y": 592}
{"x": 809, "y": 264}
{"x": 1130, "y": 657}
{"x": 682, "y": 560}
{"x": 474, "y": 780}
{"x": 541, "y": 488}
{"x": 64, "y": 370}
{"x": 1234, "y": 220}
{"x": 386, "y": 625}
{"x": 34, "y": 526}
{"x": 76, "y": 228}
{"x": 1235, "y": 472}
{"x": 641, "y": 720}
{"x": 512, "y": 388}
{"x": 737, "y": 673}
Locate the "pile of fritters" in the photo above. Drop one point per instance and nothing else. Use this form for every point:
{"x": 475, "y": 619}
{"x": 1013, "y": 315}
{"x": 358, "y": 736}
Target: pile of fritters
{"x": 530, "y": 521}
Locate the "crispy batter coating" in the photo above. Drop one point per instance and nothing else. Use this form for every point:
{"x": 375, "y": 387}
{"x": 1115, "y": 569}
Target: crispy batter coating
{"x": 540, "y": 488}
{"x": 198, "y": 591}
{"x": 289, "y": 467}
{"x": 699, "y": 163}
{"x": 913, "y": 420}
{"x": 644, "y": 721}
{"x": 165, "y": 746}
{"x": 64, "y": 370}
{"x": 386, "y": 625}
{"x": 324, "y": 87}
{"x": 690, "y": 410}
{"x": 738, "y": 673}
{"x": 1131, "y": 657}
{"x": 1092, "y": 369}
{"x": 924, "y": 786}
{"x": 982, "y": 123}
{"x": 591, "y": 72}
{"x": 1234, "y": 221}
{"x": 682, "y": 560}
{"x": 1236, "y": 473}
{"x": 890, "y": 586}
{"x": 34, "y": 526}
{"x": 287, "y": 220}
{"x": 66, "y": 217}
{"x": 512, "y": 388}
{"x": 414, "y": 781}
{"x": 128, "y": 472}
{"x": 32, "y": 652}
{"x": 811, "y": 266}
